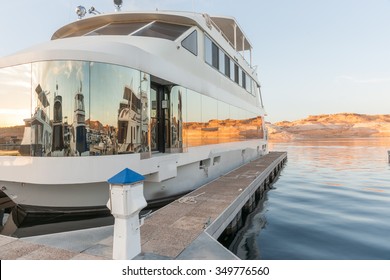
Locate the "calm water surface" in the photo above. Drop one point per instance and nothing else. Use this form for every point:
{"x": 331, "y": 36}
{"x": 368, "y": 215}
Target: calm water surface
{"x": 331, "y": 201}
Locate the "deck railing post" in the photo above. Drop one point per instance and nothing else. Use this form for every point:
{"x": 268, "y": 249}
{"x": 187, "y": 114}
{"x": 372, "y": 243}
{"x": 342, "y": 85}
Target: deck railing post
{"x": 125, "y": 202}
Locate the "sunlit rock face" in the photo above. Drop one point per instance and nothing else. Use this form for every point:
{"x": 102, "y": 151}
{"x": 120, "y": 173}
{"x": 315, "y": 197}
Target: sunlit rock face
{"x": 334, "y": 125}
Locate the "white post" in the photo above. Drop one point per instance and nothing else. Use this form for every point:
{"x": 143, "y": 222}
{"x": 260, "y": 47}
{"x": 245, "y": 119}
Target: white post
{"x": 126, "y": 201}
{"x": 388, "y": 153}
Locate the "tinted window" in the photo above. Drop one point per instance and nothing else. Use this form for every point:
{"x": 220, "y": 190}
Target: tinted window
{"x": 227, "y": 65}
{"x": 207, "y": 50}
{"x": 61, "y": 108}
{"x": 232, "y": 69}
{"x": 118, "y": 29}
{"x": 212, "y": 53}
{"x": 215, "y": 50}
{"x": 162, "y": 30}
{"x": 190, "y": 43}
{"x": 221, "y": 61}
{"x": 236, "y": 74}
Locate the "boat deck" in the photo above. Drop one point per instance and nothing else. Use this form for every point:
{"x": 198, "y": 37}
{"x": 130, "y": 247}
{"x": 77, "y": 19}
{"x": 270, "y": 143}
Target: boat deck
{"x": 184, "y": 229}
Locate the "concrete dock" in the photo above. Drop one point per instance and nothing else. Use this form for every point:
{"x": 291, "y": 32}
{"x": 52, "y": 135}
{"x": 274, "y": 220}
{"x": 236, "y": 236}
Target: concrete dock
{"x": 187, "y": 228}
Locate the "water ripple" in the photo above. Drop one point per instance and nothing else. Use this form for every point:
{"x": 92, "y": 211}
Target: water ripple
{"x": 332, "y": 201}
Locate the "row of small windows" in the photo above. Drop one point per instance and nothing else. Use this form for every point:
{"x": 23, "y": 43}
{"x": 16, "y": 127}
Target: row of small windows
{"x": 217, "y": 58}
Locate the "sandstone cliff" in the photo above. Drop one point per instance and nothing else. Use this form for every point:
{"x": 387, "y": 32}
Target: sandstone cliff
{"x": 335, "y": 125}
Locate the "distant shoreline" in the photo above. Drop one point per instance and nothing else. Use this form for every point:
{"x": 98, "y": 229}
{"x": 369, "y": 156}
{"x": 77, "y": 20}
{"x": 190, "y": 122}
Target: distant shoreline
{"x": 276, "y": 140}
{"x": 342, "y": 125}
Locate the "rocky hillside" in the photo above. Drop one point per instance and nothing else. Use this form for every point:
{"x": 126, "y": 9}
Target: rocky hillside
{"x": 335, "y": 125}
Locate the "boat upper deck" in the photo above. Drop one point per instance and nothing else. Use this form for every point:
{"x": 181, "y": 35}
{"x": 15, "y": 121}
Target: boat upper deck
{"x": 171, "y": 26}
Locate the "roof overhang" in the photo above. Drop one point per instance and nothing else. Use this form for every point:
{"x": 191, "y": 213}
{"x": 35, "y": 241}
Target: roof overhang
{"x": 232, "y": 32}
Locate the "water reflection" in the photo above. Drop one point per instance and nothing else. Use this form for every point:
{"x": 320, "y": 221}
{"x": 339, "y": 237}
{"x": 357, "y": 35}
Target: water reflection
{"x": 330, "y": 202}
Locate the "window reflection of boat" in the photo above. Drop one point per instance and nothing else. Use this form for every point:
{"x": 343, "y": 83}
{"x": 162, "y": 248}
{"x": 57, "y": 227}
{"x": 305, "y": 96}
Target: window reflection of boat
{"x": 102, "y": 142}
{"x": 129, "y": 120}
{"x": 58, "y": 147}
{"x": 38, "y": 131}
{"x": 79, "y": 131}
{"x": 176, "y": 102}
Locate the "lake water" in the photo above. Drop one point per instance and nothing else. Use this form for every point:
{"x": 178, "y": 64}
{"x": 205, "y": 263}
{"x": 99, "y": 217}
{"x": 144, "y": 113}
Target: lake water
{"x": 331, "y": 201}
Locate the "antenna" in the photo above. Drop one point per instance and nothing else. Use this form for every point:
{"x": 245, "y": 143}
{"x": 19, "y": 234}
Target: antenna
{"x": 80, "y": 11}
{"x": 118, "y": 5}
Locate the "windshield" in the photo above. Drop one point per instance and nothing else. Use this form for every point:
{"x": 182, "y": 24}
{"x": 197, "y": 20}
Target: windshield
{"x": 154, "y": 29}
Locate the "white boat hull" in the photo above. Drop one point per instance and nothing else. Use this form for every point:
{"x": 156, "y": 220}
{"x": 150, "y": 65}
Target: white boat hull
{"x": 166, "y": 175}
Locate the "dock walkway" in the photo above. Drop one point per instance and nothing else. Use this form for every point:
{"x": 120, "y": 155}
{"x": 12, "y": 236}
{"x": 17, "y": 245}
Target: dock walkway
{"x": 187, "y": 228}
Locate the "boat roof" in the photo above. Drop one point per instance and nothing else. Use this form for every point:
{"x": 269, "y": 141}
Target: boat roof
{"x": 233, "y": 32}
{"x": 227, "y": 26}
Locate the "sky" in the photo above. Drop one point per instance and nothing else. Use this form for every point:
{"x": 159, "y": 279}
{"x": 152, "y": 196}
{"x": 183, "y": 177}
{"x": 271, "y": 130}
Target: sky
{"x": 313, "y": 57}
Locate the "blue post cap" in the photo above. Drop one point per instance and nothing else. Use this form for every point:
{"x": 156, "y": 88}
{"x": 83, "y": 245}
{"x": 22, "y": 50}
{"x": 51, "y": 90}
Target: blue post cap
{"x": 126, "y": 176}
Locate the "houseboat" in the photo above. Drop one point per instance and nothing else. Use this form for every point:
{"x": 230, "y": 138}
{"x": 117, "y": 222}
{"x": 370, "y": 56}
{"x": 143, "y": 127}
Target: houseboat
{"x": 171, "y": 95}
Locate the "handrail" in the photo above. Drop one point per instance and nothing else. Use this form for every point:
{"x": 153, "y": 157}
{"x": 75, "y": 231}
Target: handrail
{"x": 209, "y": 20}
